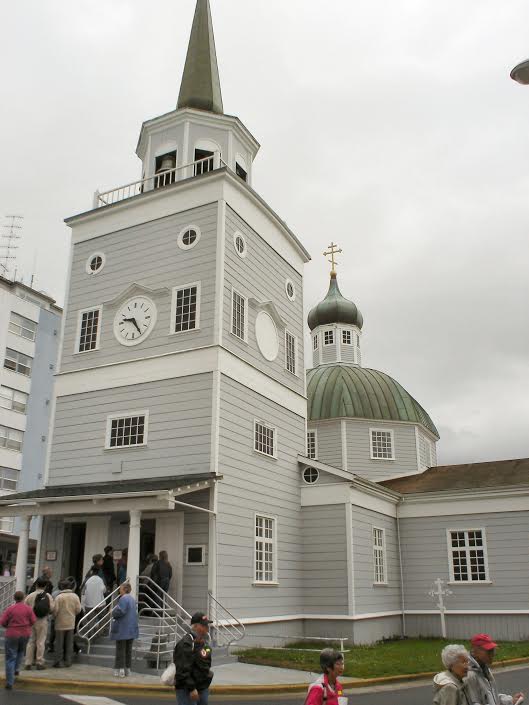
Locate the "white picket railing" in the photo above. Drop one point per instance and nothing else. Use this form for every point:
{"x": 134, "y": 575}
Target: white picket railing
{"x": 226, "y": 628}
{"x": 7, "y": 593}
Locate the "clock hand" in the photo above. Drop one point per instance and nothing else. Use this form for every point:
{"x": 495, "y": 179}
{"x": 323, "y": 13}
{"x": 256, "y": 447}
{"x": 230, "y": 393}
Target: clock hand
{"x": 137, "y": 326}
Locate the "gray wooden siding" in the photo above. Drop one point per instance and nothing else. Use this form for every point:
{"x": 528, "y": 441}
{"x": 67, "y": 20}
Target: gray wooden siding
{"x": 348, "y": 351}
{"x": 326, "y": 478}
{"x": 262, "y": 275}
{"x": 329, "y": 435}
{"x": 425, "y": 557}
{"x": 52, "y": 540}
{"x": 196, "y": 532}
{"x": 253, "y": 483}
{"x": 359, "y": 450}
{"x": 503, "y": 627}
{"x": 325, "y": 560}
{"x": 315, "y": 355}
{"x": 147, "y": 254}
{"x": 368, "y": 597}
{"x": 179, "y": 432}
{"x": 329, "y": 353}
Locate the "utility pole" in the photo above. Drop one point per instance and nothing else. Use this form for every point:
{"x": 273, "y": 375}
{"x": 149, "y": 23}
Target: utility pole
{"x": 439, "y": 592}
{"x": 8, "y": 244}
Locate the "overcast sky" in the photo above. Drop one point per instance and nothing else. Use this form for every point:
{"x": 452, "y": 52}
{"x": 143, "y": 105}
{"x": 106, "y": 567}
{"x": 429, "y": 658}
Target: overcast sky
{"x": 390, "y": 127}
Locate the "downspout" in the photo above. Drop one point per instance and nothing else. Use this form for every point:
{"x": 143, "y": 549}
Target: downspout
{"x": 402, "y": 601}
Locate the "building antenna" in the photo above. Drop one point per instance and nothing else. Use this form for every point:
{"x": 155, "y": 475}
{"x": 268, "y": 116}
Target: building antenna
{"x": 8, "y": 244}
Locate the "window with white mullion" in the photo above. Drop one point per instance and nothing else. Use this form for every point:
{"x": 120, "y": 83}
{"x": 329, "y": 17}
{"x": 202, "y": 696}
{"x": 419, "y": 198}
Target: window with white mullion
{"x": 89, "y": 323}
{"x": 13, "y": 399}
{"x": 127, "y": 431}
{"x": 311, "y": 445}
{"x": 186, "y": 306}
{"x": 315, "y": 342}
{"x": 328, "y": 337}
{"x": 382, "y": 446}
{"x": 264, "y": 439}
{"x": 238, "y": 315}
{"x": 347, "y": 337}
{"x": 290, "y": 352}
{"x": 18, "y": 362}
{"x": 8, "y": 479}
{"x": 468, "y": 556}
{"x": 19, "y": 325}
{"x": 265, "y": 547}
{"x": 11, "y": 438}
{"x": 379, "y": 557}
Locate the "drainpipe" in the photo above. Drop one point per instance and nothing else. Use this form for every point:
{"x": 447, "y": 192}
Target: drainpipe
{"x": 402, "y": 601}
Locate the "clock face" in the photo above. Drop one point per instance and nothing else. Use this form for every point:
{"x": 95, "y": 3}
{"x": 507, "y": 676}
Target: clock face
{"x": 134, "y": 320}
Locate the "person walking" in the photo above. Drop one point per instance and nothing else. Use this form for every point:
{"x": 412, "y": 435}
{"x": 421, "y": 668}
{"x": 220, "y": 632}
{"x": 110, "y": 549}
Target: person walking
{"x": 449, "y": 686}
{"x": 41, "y": 602}
{"x": 327, "y": 689}
{"x": 17, "y": 620}
{"x": 109, "y": 569}
{"x": 481, "y": 684}
{"x": 67, "y": 607}
{"x": 124, "y": 629}
{"x": 192, "y": 660}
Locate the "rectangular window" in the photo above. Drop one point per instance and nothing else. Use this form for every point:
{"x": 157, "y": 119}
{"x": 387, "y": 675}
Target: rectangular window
{"x": 89, "y": 330}
{"x": 238, "y": 315}
{"x": 8, "y": 479}
{"x": 264, "y": 439}
{"x": 18, "y": 362}
{"x": 203, "y": 161}
{"x": 13, "y": 399}
{"x": 265, "y": 549}
{"x": 328, "y": 337}
{"x": 241, "y": 173}
{"x": 347, "y": 337}
{"x": 315, "y": 342}
{"x": 7, "y": 525}
{"x": 195, "y": 555}
{"x": 379, "y": 557}
{"x": 186, "y": 306}
{"x": 311, "y": 445}
{"x": 11, "y": 438}
{"x": 127, "y": 431}
{"x": 381, "y": 444}
{"x": 22, "y": 326}
{"x": 468, "y": 553}
{"x": 290, "y": 351}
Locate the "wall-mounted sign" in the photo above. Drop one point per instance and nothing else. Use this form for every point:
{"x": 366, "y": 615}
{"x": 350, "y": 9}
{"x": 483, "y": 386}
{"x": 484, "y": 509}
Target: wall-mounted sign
{"x": 51, "y": 555}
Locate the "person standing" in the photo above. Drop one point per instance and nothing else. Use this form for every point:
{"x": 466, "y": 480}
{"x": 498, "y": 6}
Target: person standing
{"x": 93, "y": 596}
{"x": 46, "y": 576}
{"x": 41, "y": 602}
{"x": 124, "y": 629}
{"x": 109, "y": 569}
{"x": 327, "y": 689}
{"x": 449, "y": 685}
{"x": 192, "y": 660}
{"x": 17, "y": 620}
{"x": 162, "y": 572}
{"x": 122, "y": 567}
{"x": 67, "y": 607}
{"x": 481, "y": 684}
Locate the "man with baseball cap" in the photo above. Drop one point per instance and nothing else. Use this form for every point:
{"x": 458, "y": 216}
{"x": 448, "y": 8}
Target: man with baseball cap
{"x": 481, "y": 684}
{"x": 192, "y": 659}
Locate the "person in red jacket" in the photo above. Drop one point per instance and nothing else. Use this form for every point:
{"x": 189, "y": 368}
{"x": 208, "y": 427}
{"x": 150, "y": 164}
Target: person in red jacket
{"x": 18, "y": 620}
{"x": 327, "y": 690}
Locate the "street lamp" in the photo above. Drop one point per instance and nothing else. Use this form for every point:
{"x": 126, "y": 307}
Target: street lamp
{"x": 520, "y": 73}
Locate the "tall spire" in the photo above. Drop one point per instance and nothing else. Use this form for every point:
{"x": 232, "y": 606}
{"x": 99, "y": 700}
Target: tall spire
{"x": 201, "y": 83}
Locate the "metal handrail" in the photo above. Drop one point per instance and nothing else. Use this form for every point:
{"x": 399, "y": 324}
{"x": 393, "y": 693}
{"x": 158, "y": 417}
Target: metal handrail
{"x": 226, "y": 628}
{"x": 7, "y": 593}
{"x": 97, "y": 622}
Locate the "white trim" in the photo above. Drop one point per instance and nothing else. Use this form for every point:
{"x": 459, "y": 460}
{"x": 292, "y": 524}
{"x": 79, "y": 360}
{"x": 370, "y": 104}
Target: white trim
{"x": 343, "y": 430}
{"x": 453, "y": 581}
{"x": 351, "y": 597}
{"x": 220, "y": 273}
{"x": 195, "y": 545}
{"x": 418, "y": 449}
{"x": 275, "y": 577}
{"x": 238, "y": 234}
{"x": 77, "y": 341}
{"x": 288, "y": 282}
{"x": 143, "y": 336}
{"x": 351, "y": 332}
{"x": 382, "y": 430}
{"x": 315, "y": 432}
{"x": 246, "y": 312}
{"x": 180, "y": 239}
{"x": 174, "y": 293}
{"x": 126, "y": 415}
{"x": 215, "y": 423}
{"x": 89, "y": 260}
{"x": 383, "y": 553}
{"x": 310, "y": 468}
{"x": 329, "y": 330}
{"x": 274, "y": 438}
{"x": 330, "y": 617}
{"x": 296, "y": 366}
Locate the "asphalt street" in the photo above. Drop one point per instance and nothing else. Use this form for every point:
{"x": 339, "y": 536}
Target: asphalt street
{"x": 510, "y": 681}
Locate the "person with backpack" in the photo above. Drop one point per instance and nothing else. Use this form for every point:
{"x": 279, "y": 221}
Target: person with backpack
{"x": 42, "y": 604}
{"x": 327, "y": 690}
{"x": 192, "y": 660}
{"x": 17, "y": 620}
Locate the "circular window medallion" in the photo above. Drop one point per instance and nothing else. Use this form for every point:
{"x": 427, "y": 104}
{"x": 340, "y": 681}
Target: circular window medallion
{"x": 95, "y": 263}
{"x": 240, "y": 244}
{"x": 311, "y": 475}
{"x": 290, "y": 289}
{"x": 266, "y": 334}
{"x": 189, "y": 237}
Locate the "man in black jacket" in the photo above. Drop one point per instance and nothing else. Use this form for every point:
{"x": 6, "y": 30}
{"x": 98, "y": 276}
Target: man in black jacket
{"x": 109, "y": 569}
{"x": 192, "y": 659}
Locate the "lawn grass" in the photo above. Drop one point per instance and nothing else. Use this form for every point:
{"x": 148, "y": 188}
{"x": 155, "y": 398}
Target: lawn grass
{"x": 388, "y": 658}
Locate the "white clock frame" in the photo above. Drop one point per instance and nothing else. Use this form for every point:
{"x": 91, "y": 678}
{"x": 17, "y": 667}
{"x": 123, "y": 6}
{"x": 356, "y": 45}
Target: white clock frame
{"x": 144, "y": 336}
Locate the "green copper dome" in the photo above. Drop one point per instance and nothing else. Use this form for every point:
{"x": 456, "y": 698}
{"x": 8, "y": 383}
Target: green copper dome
{"x": 335, "y": 309}
{"x": 336, "y": 391}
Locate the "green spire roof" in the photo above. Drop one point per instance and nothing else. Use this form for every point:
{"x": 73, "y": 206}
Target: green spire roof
{"x": 335, "y": 309}
{"x": 337, "y": 391}
{"x": 201, "y": 83}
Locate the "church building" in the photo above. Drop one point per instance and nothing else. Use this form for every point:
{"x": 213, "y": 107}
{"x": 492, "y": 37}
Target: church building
{"x": 303, "y": 504}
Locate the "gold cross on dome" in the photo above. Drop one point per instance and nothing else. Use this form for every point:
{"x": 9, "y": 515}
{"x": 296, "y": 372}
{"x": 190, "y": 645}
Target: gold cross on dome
{"x": 332, "y": 251}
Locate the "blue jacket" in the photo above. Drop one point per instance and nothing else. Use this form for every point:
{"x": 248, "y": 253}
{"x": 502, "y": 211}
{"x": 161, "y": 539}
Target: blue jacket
{"x": 125, "y": 619}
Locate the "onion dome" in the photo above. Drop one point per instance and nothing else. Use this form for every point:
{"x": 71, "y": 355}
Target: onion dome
{"x": 344, "y": 391}
{"x": 335, "y": 309}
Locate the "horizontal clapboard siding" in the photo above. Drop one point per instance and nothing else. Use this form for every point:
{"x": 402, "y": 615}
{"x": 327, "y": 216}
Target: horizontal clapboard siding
{"x": 329, "y": 435}
{"x": 359, "y": 450}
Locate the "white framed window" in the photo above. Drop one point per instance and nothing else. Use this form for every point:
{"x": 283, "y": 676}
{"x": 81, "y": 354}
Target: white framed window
{"x": 88, "y": 329}
{"x": 196, "y": 555}
{"x": 347, "y": 337}
{"x": 189, "y": 237}
{"x": 382, "y": 444}
{"x": 265, "y": 549}
{"x": 265, "y": 439}
{"x": 239, "y": 315}
{"x": 315, "y": 341}
{"x": 7, "y": 525}
{"x": 9, "y": 479}
{"x": 13, "y": 399}
{"x": 185, "y": 308}
{"x": 379, "y": 557}
{"x": 95, "y": 263}
{"x": 11, "y": 438}
{"x": 127, "y": 431}
{"x": 328, "y": 337}
{"x": 291, "y": 352}
{"x": 312, "y": 445}
{"x": 18, "y": 362}
{"x": 239, "y": 243}
{"x": 290, "y": 290}
{"x": 22, "y": 326}
{"x": 467, "y": 549}
{"x": 311, "y": 476}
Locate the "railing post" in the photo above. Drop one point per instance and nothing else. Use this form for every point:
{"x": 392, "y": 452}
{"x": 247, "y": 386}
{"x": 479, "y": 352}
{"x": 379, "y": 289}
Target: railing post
{"x": 96, "y": 199}
{"x": 216, "y": 160}
{"x": 22, "y": 553}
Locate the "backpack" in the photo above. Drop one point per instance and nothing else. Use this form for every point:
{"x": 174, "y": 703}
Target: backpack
{"x": 41, "y": 606}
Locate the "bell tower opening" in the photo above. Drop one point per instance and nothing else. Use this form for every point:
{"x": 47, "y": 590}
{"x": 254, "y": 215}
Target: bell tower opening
{"x": 204, "y": 161}
{"x": 164, "y": 168}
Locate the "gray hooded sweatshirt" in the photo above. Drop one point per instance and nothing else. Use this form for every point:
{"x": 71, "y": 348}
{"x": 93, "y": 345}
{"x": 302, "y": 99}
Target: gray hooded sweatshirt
{"x": 449, "y": 690}
{"x": 482, "y": 688}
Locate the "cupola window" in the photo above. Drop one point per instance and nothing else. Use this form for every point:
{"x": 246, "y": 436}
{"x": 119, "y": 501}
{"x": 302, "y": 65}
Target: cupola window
{"x": 203, "y": 161}
{"x": 315, "y": 342}
{"x": 382, "y": 446}
{"x": 164, "y": 169}
{"x": 347, "y": 337}
{"x": 241, "y": 173}
{"x": 328, "y": 337}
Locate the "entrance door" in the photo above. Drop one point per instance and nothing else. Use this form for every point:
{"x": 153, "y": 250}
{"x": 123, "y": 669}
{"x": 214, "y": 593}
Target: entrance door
{"x": 147, "y": 541}
{"x": 74, "y": 545}
{"x": 170, "y": 538}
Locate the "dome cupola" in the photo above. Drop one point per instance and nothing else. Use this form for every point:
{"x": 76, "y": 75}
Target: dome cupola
{"x": 335, "y": 309}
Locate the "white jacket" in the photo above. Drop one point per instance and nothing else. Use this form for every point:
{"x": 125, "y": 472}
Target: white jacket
{"x": 482, "y": 687}
{"x": 94, "y": 592}
{"x": 449, "y": 690}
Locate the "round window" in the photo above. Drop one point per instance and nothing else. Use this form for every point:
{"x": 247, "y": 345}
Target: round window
{"x": 311, "y": 475}
{"x": 290, "y": 289}
{"x": 240, "y": 244}
{"x": 188, "y": 237}
{"x": 95, "y": 263}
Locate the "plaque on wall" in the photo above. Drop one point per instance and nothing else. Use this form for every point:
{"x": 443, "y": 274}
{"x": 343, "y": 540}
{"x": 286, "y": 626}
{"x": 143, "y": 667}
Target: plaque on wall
{"x": 51, "y": 555}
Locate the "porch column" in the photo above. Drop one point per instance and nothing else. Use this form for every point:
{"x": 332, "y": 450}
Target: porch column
{"x": 22, "y": 553}
{"x": 133, "y": 557}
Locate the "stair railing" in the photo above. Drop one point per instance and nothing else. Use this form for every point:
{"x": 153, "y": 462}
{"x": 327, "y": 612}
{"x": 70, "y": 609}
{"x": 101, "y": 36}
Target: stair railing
{"x": 226, "y": 628}
{"x": 97, "y": 622}
{"x": 7, "y": 593}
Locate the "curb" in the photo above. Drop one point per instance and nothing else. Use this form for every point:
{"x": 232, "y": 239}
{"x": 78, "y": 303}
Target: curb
{"x": 140, "y": 688}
